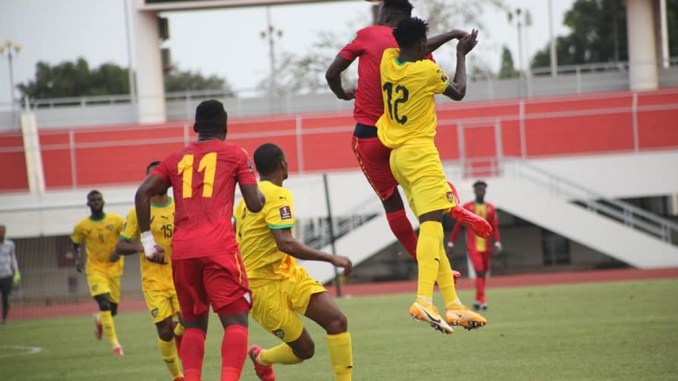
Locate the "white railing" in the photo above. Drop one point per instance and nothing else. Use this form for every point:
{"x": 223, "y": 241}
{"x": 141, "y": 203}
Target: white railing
{"x": 630, "y": 215}
{"x": 530, "y": 85}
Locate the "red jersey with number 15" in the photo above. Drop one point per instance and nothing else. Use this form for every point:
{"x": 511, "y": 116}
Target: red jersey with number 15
{"x": 203, "y": 177}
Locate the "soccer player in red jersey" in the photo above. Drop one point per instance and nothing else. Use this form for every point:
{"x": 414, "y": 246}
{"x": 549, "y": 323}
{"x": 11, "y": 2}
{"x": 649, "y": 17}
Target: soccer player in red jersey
{"x": 478, "y": 248}
{"x": 368, "y": 46}
{"x": 207, "y": 266}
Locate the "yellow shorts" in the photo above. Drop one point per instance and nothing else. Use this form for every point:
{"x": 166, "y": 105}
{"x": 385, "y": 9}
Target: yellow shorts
{"x": 278, "y": 303}
{"x": 162, "y": 304}
{"x": 101, "y": 283}
{"x": 421, "y": 175}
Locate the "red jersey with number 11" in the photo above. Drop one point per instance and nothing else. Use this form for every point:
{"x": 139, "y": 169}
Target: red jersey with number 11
{"x": 203, "y": 177}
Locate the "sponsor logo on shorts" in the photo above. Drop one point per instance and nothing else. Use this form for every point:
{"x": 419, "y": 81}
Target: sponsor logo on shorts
{"x": 154, "y": 312}
{"x": 279, "y": 333}
{"x": 450, "y": 196}
{"x": 95, "y": 287}
{"x": 285, "y": 212}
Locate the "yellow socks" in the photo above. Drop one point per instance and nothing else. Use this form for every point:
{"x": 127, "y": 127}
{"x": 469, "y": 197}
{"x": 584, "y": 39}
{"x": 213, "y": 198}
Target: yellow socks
{"x": 168, "y": 350}
{"x": 428, "y": 257}
{"x": 280, "y": 354}
{"x": 109, "y": 327}
{"x": 341, "y": 355}
{"x": 446, "y": 280}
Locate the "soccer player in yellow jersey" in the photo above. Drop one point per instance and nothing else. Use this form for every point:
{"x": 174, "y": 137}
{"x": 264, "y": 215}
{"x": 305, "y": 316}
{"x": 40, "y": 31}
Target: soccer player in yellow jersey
{"x": 281, "y": 289}
{"x": 408, "y": 125}
{"x": 99, "y": 234}
{"x": 156, "y": 278}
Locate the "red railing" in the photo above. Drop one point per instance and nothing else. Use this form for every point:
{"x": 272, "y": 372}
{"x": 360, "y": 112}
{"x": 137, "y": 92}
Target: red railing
{"x": 556, "y": 126}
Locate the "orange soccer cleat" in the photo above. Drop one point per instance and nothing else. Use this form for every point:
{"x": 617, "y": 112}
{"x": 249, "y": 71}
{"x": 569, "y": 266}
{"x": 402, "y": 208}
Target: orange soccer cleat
{"x": 423, "y": 310}
{"x": 459, "y": 314}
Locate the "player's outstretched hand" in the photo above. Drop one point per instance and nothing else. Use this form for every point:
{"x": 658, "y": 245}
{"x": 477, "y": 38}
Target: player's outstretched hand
{"x": 343, "y": 262}
{"x": 458, "y": 33}
{"x": 468, "y": 42}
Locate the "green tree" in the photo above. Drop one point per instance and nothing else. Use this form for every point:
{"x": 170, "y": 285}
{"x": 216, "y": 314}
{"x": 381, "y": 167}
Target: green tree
{"x": 507, "y": 69}
{"x": 76, "y": 79}
{"x": 599, "y": 34}
{"x": 184, "y": 80}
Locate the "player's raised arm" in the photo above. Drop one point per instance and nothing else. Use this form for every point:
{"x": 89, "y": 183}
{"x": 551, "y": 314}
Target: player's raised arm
{"x": 457, "y": 88}
{"x": 290, "y": 245}
{"x": 333, "y": 77}
{"x": 433, "y": 43}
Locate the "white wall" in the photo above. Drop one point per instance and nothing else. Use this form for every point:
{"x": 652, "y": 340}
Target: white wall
{"x": 615, "y": 176}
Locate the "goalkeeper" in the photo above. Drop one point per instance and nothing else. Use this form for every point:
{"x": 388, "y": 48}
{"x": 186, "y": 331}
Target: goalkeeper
{"x": 9, "y": 271}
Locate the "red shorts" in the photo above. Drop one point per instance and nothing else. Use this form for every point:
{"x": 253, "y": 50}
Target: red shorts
{"x": 479, "y": 259}
{"x": 217, "y": 280}
{"x": 373, "y": 158}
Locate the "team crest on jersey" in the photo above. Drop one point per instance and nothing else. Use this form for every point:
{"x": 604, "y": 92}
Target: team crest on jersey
{"x": 154, "y": 312}
{"x": 279, "y": 333}
{"x": 285, "y": 212}
{"x": 110, "y": 227}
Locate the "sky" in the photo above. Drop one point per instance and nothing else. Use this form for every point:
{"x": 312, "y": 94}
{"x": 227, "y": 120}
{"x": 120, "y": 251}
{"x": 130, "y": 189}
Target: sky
{"x": 212, "y": 41}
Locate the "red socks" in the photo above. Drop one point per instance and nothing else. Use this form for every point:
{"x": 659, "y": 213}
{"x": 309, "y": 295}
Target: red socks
{"x": 402, "y": 228}
{"x": 233, "y": 352}
{"x": 480, "y": 289}
{"x": 192, "y": 353}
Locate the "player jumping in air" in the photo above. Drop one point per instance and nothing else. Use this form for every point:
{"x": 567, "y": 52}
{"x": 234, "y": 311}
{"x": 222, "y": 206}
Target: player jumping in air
{"x": 368, "y": 46}
{"x": 408, "y": 125}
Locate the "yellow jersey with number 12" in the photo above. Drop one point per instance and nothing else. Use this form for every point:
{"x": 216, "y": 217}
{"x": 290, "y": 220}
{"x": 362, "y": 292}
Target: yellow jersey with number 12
{"x": 154, "y": 276}
{"x": 408, "y": 90}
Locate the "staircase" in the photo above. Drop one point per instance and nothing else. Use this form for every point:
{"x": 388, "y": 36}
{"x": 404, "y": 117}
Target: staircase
{"x": 615, "y": 228}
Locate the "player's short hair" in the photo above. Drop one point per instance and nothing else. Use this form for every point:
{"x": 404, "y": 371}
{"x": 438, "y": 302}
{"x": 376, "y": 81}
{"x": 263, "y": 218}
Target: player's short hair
{"x": 266, "y": 158}
{"x": 402, "y": 6}
{"x": 93, "y": 192}
{"x": 480, "y": 183}
{"x": 151, "y": 165}
{"x": 410, "y": 30}
{"x": 210, "y": 116}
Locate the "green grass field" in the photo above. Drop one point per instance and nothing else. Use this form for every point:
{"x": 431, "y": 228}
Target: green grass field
{"x": 605, "y": 331}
